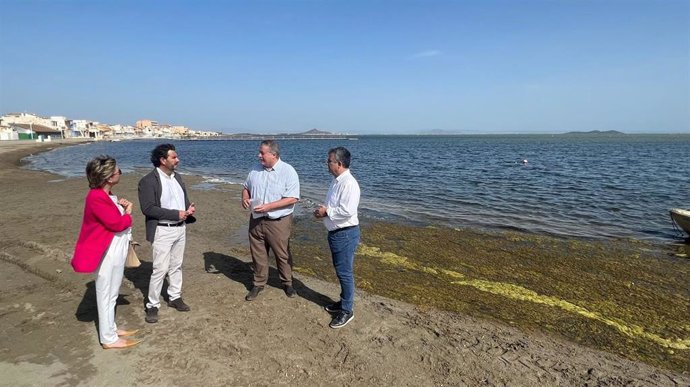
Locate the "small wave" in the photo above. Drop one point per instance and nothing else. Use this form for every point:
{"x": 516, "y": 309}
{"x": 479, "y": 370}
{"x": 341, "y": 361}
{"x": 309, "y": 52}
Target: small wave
{"x": 219, "y": 180}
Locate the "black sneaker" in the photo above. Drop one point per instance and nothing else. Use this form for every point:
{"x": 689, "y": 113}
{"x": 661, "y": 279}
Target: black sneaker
{"x": 251, "y": 296}
{"x": 151, "y": 315}
{"x": 290, "y": 291}
{"x": 179, "y": 305}
{"x": 341, "y": 319}
{"x": 334, "y": 308}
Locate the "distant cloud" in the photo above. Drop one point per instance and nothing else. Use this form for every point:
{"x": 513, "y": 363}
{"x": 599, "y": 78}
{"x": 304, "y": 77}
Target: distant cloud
{"x": 426, "y": 54}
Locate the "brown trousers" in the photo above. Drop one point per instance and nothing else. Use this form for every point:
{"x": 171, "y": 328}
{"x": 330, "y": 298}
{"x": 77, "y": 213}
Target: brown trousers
{"x": 265, "y": 235}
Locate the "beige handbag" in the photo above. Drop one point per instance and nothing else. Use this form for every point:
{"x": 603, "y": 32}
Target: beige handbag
{"x": 132, "y": 259}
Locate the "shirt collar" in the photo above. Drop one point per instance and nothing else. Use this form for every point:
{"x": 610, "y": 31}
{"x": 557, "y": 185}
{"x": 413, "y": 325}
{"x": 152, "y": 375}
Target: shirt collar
{"x": 164, "y": 175}
{"x": 276, "y": 167}
{"x": 343, "y": 175}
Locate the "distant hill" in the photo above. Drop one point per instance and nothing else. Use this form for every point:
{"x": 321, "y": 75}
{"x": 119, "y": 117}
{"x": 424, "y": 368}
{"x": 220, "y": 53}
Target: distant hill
{"x": 315, "y": 132}
{"x": 604, "y": 132}
{"x": 309, "y": 134}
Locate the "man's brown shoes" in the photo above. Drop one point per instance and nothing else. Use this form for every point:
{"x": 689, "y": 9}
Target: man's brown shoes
{"x": 121, "y": 343}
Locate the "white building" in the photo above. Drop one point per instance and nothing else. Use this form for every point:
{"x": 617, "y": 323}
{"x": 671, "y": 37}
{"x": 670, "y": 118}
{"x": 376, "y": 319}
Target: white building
{"x": 54, "y": 122}
{"x": 8, "y": 133}
{"x": 81, "y": 128}
{"x": 123, "y": 130}
{"x": 60, "y": 123}
{"x": 202, "y": 133}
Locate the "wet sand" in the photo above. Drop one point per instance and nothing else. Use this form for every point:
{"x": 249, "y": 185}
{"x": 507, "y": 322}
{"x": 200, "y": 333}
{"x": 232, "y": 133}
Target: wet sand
{"x": 481, "y": 308}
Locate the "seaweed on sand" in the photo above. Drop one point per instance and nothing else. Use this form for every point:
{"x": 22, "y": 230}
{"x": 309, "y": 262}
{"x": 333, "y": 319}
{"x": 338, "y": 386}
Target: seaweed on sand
{"x": 624, "y": 297}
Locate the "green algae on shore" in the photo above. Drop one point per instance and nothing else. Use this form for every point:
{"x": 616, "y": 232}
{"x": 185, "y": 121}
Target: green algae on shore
{"x": 625, "y": 297}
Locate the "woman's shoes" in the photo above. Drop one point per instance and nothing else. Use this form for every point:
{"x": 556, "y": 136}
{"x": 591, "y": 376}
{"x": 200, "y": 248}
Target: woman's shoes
{"x": 123, "y": 333}
{"x": 121, "y": 343}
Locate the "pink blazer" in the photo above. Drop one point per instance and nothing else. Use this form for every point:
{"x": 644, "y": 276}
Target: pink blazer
{"x": 102, "y": 219}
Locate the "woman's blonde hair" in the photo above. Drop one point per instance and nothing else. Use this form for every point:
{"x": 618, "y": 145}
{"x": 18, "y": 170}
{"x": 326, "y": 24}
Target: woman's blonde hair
{"x": 99, "y": 170}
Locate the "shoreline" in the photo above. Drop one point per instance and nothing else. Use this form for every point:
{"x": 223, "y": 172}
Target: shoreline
{"x": 13, "y": 145}
{"x": 389, "y": 342}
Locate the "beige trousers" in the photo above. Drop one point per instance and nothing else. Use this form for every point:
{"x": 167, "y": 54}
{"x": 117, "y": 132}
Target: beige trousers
{"x": 266, "y": 235}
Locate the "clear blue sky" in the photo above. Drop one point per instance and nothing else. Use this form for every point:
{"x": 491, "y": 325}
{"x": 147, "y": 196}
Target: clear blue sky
{"x": 477, "y": 66}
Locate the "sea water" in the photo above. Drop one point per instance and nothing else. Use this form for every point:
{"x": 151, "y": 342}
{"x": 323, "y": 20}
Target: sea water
{"x": 591, "y": 186}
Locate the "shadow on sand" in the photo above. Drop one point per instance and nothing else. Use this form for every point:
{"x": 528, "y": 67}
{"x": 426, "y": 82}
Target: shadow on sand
{"x": 87, "y": 310}
{"x": 240, "y": 271}
{"x": 140, "y": 278}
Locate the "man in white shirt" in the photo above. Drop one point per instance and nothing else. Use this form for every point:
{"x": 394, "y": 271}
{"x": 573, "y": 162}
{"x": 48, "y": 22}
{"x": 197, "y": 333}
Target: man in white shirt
{"x": 339, "y": 215}
{"x": 271, "y": 191}
{"x": 164, "y": 202}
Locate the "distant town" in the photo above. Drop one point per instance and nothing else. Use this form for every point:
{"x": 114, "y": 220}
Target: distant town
{"x": 28, "y": 126}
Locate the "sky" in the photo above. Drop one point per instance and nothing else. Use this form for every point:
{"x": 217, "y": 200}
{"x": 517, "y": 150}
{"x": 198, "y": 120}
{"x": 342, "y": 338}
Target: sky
{"x": 366, "y": 67}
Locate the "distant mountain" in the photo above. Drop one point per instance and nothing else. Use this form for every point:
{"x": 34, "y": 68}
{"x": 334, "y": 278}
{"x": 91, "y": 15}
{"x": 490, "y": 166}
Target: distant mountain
{"x": 600, "y": 132}
{"x": 309, "y": 134}
{"x": 315, "y": 132}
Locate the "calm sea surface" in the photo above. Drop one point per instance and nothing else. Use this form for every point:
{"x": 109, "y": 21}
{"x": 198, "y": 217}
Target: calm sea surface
{"x": 583, "y": 185}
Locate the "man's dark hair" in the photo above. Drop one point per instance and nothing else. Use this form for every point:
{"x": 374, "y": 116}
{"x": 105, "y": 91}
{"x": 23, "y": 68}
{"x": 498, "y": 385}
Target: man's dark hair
{"x": 160, "y": 151}
{"x": 341, "y": 155}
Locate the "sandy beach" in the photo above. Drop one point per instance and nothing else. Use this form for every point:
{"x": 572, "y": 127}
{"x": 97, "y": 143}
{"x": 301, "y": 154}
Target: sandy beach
{"x": 47, "y": 312}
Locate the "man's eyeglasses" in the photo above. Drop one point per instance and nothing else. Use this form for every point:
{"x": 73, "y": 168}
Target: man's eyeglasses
{"x": 331, "y": 162}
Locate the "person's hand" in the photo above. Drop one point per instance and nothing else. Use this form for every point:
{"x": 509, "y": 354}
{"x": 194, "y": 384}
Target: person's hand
{"x": 183, "y": 215}
{"x": 320, "y": 212}
{"x": 191, "y": 210}
{"x": 261, "y": 208}
{"x": 126, "y": 204}
{"x": 246, "y": 203}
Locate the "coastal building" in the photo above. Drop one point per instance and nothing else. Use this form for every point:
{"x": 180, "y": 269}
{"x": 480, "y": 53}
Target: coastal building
{"x": 179, "y": 131}
{"x": 23, "y": 118}
{"x": 143, "y": 124}
{"x": 26, "y": 126}
{"x": 58, "y": 123}
{"x": 80, "y": 128}
{"x": 146, "y": 132}
{"x": 7, "y": 133}
{"x": 36, "y": 132}
{"x": 123, "y": 130}
{"x": 163, "y": 131}
{"x": 85, "y": 129}
{"x": 103, "y": 131}
{"x": 199, "y": 133}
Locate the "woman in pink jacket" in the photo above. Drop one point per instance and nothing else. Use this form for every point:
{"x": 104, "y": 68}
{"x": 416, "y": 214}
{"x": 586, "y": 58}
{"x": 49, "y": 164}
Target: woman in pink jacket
{"x": 103, "y": 244}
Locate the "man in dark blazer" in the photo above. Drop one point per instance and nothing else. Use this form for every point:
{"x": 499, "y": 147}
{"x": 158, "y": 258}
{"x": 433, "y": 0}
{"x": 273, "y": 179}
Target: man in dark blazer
{"x": 166, "y": 206}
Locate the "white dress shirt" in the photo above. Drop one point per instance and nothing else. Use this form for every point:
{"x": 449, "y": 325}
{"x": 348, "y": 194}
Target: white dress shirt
{"x": 172, "y": 196}
{"x": 342, "y": 201}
